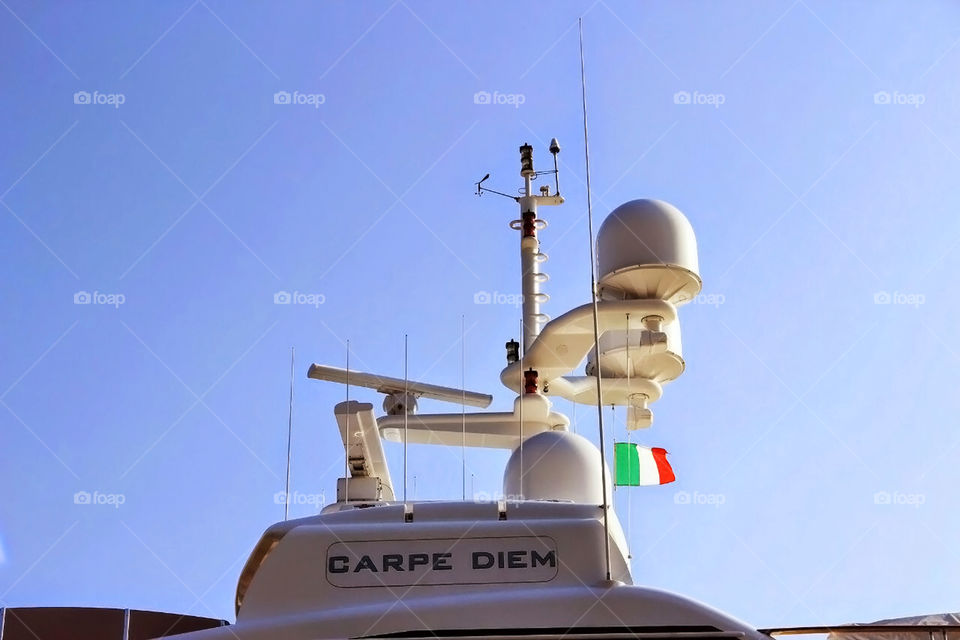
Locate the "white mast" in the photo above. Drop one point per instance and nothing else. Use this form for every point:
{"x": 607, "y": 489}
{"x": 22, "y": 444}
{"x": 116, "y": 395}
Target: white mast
{"x": 530, "y": 256}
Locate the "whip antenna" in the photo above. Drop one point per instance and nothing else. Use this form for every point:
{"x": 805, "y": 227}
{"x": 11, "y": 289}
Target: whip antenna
{"x": 286, "y": 502}
{"x": 463, "y": 410}
{"x": 406, "y": 401}
{"x": 346, "y": 453}
{"x": 596, "y": 322}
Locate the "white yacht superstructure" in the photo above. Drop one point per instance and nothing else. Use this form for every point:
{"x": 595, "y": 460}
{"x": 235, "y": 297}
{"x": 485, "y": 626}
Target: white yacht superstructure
{"x": 548, "y": 560}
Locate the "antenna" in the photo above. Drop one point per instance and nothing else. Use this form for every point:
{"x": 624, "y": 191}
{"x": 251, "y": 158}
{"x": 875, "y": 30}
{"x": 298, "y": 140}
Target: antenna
{"x": 596, "y": 313}
{"x": 481, "y": 189}
{"x": 399, "y": 392}
{"x": 406, "y": 413}
{"x": 463, "y": 407}
{"x": 286, "y": 502}
{"x": 554, "y": 151}
{"x": 346, "y": 450}
{"x": 630, "y": 440}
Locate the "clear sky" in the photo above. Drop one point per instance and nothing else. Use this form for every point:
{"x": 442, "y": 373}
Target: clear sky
{"x": 814, "y": 431}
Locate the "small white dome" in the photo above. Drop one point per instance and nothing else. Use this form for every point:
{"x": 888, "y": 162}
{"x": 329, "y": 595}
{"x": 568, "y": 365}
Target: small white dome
{"x": 647, "y": 249}
{"x": 557, "y": 465}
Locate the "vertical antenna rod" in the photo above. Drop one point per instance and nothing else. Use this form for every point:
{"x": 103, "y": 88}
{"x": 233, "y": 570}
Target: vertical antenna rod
{"x": 346, "y": 452}
{"x": 463, "y": 409}
{"x": 596, "y": 322}
{"x": 406, "y": 411}
{"x": 286, "y": 502}
{"x": 630, "y": 440}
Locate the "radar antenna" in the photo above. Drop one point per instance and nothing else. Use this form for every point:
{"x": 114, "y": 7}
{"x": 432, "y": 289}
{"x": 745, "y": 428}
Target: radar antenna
{"x": 400, "y": 394}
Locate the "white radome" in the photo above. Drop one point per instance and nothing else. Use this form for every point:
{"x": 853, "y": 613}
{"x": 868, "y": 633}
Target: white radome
{"x": 647, "y": 249}
{"x": 557, "y": 465}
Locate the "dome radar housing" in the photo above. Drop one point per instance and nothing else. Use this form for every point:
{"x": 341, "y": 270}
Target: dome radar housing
{"x": 647, "y": 249}
{"x": 556, "y": 465}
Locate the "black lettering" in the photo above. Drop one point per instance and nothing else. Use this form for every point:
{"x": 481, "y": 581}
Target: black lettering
{"x": 500, "y": 564}
{"x": 418, "y": 559}
{"x": 482, "y": 560}
{"x": 337, "y": 564}
{"x": 550, "y": 559}
{"x": 441, "y": 561}
{"x": 393, "y": 561}
{"x": 365, "y": 563}
{"x": 515, "y": 560}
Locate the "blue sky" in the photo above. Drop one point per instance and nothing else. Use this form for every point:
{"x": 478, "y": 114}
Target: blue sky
{"x": 813, "y": 431}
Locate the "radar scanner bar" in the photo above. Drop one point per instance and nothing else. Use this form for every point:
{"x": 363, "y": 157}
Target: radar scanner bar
{"x": 397, "y": 386}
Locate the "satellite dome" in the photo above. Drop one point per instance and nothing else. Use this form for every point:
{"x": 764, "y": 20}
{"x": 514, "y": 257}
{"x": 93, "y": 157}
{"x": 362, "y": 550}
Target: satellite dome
{"x": 647, "y": 249}
{"x": 557, "y": 465}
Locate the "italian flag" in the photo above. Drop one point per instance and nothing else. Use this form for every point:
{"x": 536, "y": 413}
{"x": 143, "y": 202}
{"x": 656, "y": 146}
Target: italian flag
{"x": 637, "y": 466}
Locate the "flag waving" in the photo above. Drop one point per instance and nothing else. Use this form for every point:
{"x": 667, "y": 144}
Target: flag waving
{"x": 637, "y": 466}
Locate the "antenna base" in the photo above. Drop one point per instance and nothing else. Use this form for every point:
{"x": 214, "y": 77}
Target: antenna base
{"x": 395, "y": 404}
